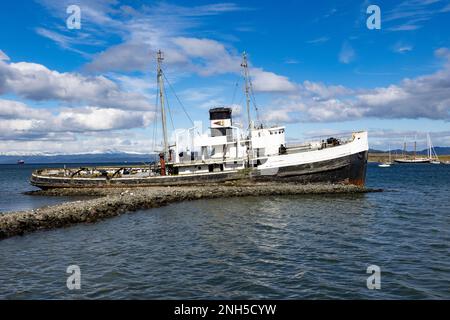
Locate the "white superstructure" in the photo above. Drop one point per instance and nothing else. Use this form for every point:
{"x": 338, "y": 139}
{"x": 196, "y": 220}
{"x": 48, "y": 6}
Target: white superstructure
{"x": 227, "y": 152}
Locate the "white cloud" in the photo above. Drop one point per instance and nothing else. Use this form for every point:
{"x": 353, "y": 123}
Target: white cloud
{"x": 113, "y": 104}
{"x": 195, "y": 47}
{"x": 212, "y": 55}
{"x": 144, "y": 85}
{"x": 128, "y": 56}
{"x": 411, "y": 15}
{"x": 443, "y": 53}
{"x": 318, "y": 40}
{"x": 405, "y": 27}
{"x": 36, "y": 82}
{"x": 400, "y": 47}
{"x": 99, "y": 119}
{"x": 19, "y": 121}
{"x": 291, "y": 61}
{"x": 3, "y": 56}
{"x": 322, "y": 91}
{"x": 347, "y": 53}
{"x": 163, "y": 26}
{"x": 280, "y": 116}
{"x": 264, "y": 81}
{"x": 89, "y": 142}
{"x": 383, "y": 96}
{"x": 143, "y": 36}
{"x": 425, "y": 96}
{"x": 10, "y": 109}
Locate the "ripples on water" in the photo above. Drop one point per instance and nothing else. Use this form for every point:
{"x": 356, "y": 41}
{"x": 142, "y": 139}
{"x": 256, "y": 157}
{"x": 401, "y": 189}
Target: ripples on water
{"x": 271, "y": 247}
{"x": 14, "y": 181}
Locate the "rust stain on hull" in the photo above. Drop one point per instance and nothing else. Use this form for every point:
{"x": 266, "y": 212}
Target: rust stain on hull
{"x": 345, "y": 170}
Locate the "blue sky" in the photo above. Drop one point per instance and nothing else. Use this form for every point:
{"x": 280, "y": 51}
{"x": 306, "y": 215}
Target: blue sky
{"x": 315, "y": 67}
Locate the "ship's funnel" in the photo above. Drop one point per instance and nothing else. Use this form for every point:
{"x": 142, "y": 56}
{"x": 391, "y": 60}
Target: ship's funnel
{"x": 220, "y": 119}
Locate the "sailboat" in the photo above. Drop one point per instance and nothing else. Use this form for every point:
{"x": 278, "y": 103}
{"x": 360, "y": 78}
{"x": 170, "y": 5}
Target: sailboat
{"x": 226, "y": 152}
{"x": 432, "y": 155}
{"x": 387, "y": 164}
{"x": 414, "y": 158}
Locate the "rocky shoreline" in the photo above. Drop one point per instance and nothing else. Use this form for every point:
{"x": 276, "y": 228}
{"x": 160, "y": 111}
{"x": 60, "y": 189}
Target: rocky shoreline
{"x": 112, "y": 202}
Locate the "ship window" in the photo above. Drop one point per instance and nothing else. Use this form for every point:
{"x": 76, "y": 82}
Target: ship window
{"x": 199, "y": 168}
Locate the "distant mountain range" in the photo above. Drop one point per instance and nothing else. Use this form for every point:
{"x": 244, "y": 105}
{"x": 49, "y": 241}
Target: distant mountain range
{"x": 439, "y": 150}
{"x": 119, "y": 157}
{"x": 123, "y": 157}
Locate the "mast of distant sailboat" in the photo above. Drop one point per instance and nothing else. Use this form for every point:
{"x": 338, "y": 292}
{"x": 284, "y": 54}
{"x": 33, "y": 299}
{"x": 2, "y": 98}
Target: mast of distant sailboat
{"x": 432, "y": 155}
{"x": 390, "y": 160}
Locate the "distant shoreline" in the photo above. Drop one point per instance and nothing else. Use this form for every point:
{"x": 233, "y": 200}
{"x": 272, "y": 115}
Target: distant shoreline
{"x": 373, "y": 157}
{"x": 384, "y": 157}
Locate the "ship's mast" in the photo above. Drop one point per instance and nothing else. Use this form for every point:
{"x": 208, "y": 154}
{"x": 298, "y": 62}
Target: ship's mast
{"x": 244, "y": 65}
{"x": 160, "y": 59}
{"x": 404, "y": 149}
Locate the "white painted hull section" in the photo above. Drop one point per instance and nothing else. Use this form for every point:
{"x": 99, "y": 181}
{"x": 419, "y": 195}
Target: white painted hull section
{"x": 359, "y": 144}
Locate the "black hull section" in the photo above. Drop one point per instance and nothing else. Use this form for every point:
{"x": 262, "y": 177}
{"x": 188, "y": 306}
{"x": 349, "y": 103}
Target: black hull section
{"x": 347, "y": 170}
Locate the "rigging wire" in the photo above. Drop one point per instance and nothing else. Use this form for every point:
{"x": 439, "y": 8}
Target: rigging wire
{"x": 170, "y": 111}
{"x": 155, "y": 124}
{"x": 242, "y": 98}
{"x": 176, "y": 96}
{"x": 234, "y": 92}
{"x": 252, "y": 95}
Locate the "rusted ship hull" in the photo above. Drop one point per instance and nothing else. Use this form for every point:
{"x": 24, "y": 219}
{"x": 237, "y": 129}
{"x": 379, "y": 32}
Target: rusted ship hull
{"x": 349, "y": 169}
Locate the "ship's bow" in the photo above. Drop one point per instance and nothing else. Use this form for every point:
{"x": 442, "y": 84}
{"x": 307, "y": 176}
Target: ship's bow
{"x": 358, "y": 159}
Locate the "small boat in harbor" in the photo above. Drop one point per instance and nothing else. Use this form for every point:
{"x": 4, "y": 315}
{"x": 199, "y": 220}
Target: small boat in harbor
{"x": 411, "y": 159}
{"x": 388, "y": 163}
{"x": 20, "y": 161}
{"x": 227, "y": 152}
{"x": 432, "y": 155}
